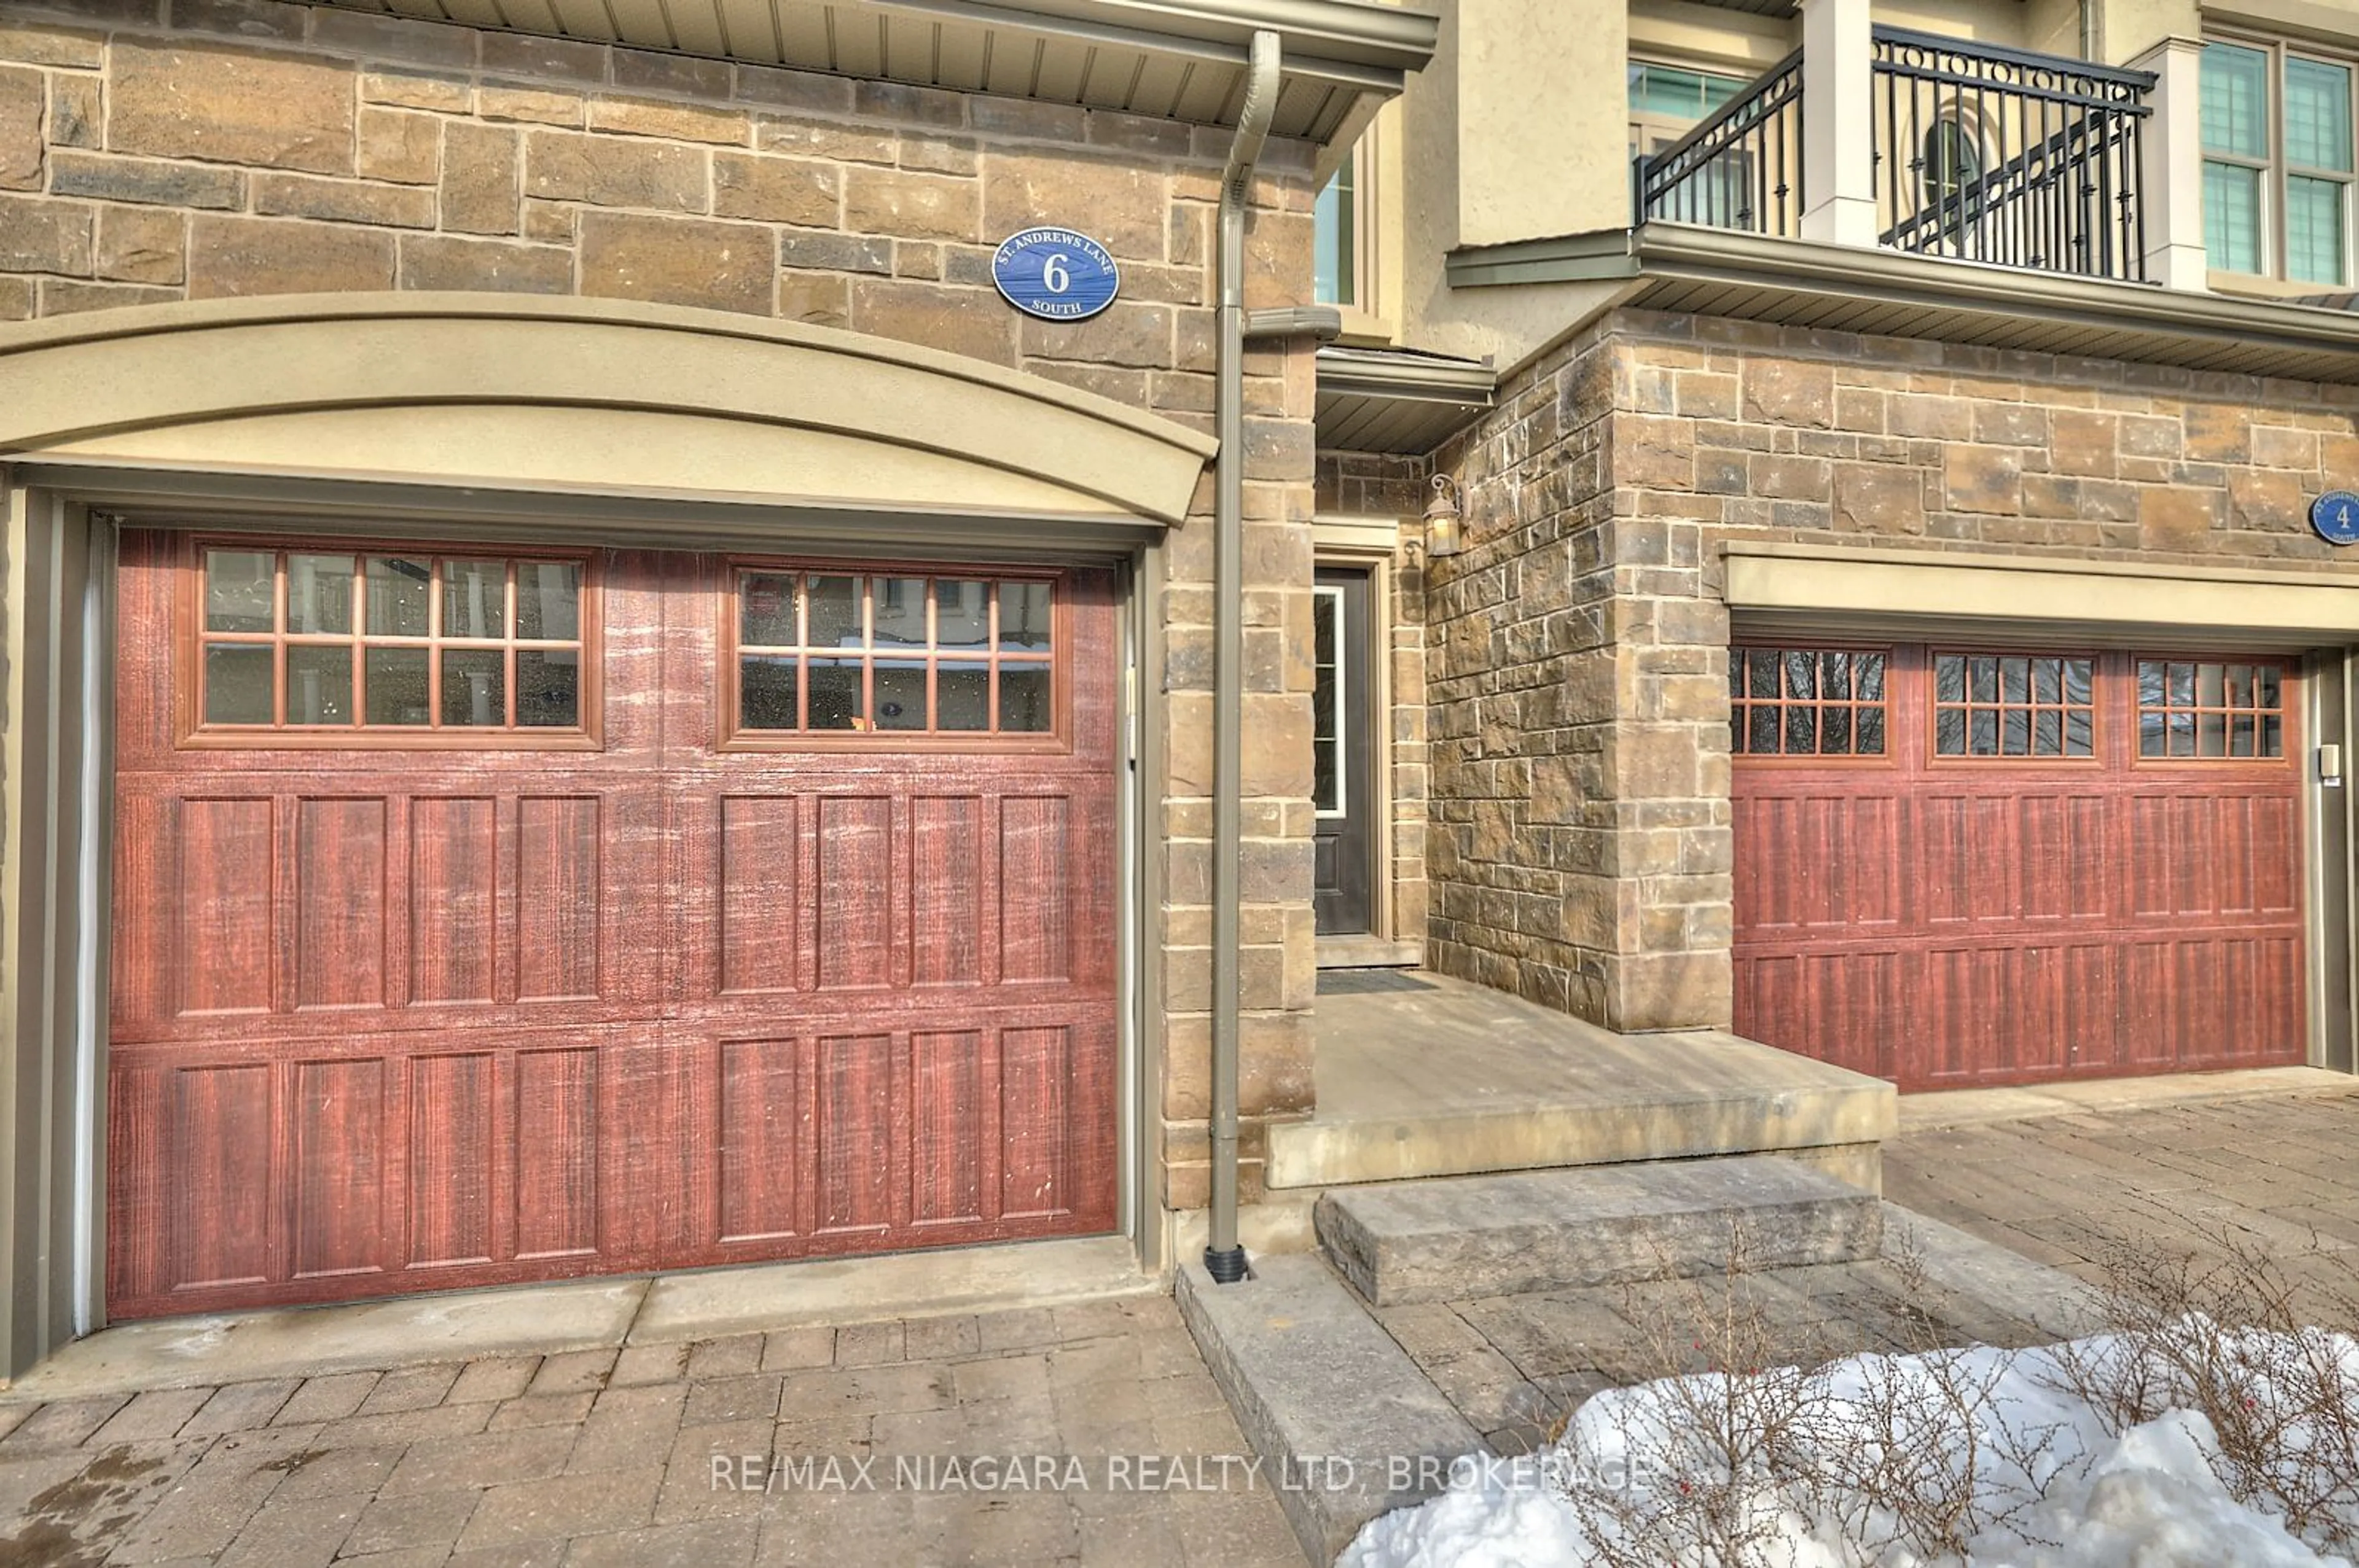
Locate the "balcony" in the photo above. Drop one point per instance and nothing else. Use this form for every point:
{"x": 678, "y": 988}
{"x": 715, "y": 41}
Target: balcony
{"x": 1935, "y": 146}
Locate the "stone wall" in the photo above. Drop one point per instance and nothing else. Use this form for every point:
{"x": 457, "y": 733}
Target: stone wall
{"x": 1581, "y": 845}
{"x": 153, "y": 150}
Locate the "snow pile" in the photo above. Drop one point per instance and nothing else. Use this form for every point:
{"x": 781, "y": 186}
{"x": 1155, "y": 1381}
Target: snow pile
{"x": 2000, "y": 1455}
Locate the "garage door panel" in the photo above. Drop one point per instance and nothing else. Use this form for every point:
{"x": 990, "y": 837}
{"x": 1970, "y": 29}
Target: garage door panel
{"x": 475, "y": 1014}
{"x": 336, "y": 863}
{"x": 453, "y": 897}
{"x": 218, "y": 1128}
{"x": 452, "y": 1168}
{"x": 2069, "y": 914}
{"x": 761, "y": 1137}
{"x": 225, "y": 951}
{"x": 757, "y": 866}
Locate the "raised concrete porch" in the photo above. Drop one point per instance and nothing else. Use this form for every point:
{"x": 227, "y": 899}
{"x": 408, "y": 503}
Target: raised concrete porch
{"x": 1449, "y": 1078}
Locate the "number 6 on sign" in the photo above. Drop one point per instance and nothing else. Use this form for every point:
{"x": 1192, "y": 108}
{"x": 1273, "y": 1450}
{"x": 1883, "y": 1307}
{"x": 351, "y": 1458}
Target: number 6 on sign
{"x": 1055, "y": 273}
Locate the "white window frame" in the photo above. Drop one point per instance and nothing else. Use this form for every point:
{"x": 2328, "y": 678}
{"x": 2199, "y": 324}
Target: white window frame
{"x": 2275, "y": 169}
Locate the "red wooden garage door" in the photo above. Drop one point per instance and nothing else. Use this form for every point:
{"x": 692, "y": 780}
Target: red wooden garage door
{"x": 488, "y": 915}
{"x": 1960, "y": 866}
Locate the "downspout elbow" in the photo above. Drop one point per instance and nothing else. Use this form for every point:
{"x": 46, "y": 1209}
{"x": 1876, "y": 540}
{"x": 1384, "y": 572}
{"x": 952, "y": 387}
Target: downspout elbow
{"x": 1224, "y": 1257}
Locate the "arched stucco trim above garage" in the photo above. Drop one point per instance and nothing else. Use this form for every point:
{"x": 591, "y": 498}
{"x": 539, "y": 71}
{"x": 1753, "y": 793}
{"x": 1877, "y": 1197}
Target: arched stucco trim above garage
{"x": 587, "y": 394}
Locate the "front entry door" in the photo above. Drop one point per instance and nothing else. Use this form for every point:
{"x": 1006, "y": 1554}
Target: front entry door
{"x": 1342, "y": 713}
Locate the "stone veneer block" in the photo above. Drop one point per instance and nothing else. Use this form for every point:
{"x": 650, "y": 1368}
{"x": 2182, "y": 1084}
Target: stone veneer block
{"x": 1493, "y": 1236}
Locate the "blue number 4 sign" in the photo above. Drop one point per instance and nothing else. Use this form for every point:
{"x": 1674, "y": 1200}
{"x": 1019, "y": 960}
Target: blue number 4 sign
{"x": 2335, "y": 516}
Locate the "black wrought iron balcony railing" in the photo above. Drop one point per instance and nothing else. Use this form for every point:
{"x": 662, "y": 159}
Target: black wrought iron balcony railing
{"x": 1741, "y": 167}
{"x": 1981, "y": 153}
{"x": 2001, "y": 156}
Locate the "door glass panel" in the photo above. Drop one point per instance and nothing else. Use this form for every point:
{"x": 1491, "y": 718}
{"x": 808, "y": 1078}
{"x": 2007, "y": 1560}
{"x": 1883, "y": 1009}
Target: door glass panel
{"x": 319, "y": 594}
{"x": 766, "y": 693}
{"x": 237, "y": 684}
{"x": 835, "y": 702}
{"x": 1326, "y": 775}
{"x": 474, "y": 599}
{"x": 475, "y": 687}
{"x": 548, "y": 688}
{"x": 2012, "y": 705}
{"x": 395, "y": 684}
{"x": 1806, "y": 702}
{"x": 398, "y": 595}
{"x": 239, "y": 585}
{"x": 1024, "y": 704}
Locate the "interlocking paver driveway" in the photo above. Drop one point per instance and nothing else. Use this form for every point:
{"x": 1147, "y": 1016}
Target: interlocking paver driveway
{"x": 2277, "y": 1172}
{"x": 608, "y": 1457}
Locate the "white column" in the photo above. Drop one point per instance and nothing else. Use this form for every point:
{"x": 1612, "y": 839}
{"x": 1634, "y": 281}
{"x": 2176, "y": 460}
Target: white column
{"x": 1838, "y": 122}
{"x": 2170, "y": 165}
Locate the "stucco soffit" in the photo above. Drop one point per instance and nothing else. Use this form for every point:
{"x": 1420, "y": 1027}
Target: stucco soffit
{"x": 100, "y": 378}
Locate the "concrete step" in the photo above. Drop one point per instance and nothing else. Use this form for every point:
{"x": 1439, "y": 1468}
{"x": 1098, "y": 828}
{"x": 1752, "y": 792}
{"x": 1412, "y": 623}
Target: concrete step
{"x": 1486, "y": 1236}
{"x": 1346, "y": 1425}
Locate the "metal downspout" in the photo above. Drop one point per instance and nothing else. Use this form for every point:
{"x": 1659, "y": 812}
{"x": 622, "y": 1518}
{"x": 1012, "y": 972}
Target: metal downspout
{"x": 1225, "y": 1260}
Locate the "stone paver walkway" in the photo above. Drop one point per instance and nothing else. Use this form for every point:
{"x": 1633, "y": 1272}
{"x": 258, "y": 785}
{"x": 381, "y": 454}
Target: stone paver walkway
{"x": 707, "y": 1455}
{"x": 2281, "y": 1172}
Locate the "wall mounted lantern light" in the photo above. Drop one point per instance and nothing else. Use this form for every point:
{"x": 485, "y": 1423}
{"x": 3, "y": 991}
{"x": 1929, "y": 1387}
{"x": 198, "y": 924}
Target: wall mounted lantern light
{"x": 1445, "y": 519}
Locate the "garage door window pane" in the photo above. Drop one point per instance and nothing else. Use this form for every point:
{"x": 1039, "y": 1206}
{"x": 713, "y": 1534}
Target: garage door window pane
{"x": 399, "y": 591}
{"x": 474, "y": 599}
{"x": 548, "y": 688}
{"x": 964, "y": 656}
{"x": 1024, "y": 613}
{"x": 834, "y": 606}
{"x": 549, "y": 600}
{"x": 835, "y": 701}
{"x": 237, "y": 684}
{"x": 962, "y": 696}
{"x": 900, "y": 612}
{"x": 900, "y": 694}
{"x": 2201, "y": 711}
{"x": 318, "y": 686}
{"x": 475, "y": 687}
{"x": 470, "y": 643}
{"x": 2021, "y": 705}
{"x": 395, "y": 680}
{"x": 962, "y": 614}
{"x": 319, "y": 594}
{"x": 766, "y": 693}
{"x": 1819, "y": 703}
{"x": 1024, "y": 699}
{"x": 239, "y": 588}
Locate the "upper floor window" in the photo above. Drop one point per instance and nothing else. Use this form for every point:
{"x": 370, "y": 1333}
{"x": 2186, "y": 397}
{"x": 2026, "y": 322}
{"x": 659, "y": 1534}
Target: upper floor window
{"x": 1341, "y": 240}
{"x": 2278, "y": 162}
{"x": 1666, "y": 101}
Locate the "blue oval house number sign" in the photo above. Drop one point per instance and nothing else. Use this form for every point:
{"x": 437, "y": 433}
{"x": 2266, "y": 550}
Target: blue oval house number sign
{"x": 1055, "y": 273}
{"x": 2335, "y": 516}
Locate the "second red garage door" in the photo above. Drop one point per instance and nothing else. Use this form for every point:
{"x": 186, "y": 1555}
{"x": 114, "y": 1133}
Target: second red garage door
{"x": 1968, "y": 865}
